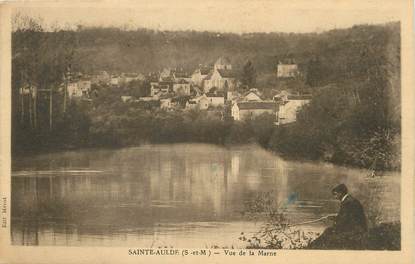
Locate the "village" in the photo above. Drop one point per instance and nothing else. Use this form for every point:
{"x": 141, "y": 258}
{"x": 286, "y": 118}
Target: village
{"x": 214, "y": 89}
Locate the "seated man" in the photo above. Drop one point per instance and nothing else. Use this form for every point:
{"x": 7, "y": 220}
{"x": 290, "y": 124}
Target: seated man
{"x": 349, "y": 229}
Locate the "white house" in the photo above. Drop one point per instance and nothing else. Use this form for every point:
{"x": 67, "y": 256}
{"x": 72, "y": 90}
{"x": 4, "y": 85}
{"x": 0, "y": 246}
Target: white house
{"x": 252, "y": 95}
{"x": 129, "y": 77}
{"x": 223, "y": 79}
{"x": 288, "y": 109}
{"x": 245, "y": 110}
{"x": 222, "y": 63}
{"x": 287, "y": 70}
{"x": 126, "y": 98}
{"x": 281, "y": 96}
{"x": 201, "y": 103}
{"x": 160, "y": 88}
{"x": 115, "y": 80}
{"x": 74, "y": 90}
{"x": 215, "y": 99}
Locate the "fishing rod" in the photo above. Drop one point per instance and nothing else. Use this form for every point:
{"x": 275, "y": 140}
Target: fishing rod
{"x": 313, "y": 221}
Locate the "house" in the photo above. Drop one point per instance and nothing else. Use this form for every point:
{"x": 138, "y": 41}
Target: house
{"x": 216, "y": 99}
{"x": 148, "y": 98}
{"x": 74, "y": 90}
{"x": 182, "y": 87}
{"x": 180, "y": 75}
{"x": 251, "y": 95}
{"x": 160, "y": 87}
{"x": 281, "y": 96}
{"x": 28, "y": 89}
{"x": 199, "y": 75}
{"x": 289, "y": 108}
{"x": 79, "y": 88}
{"x": 201, "y": 103}
{"x": 222, "y": 63}
{"x": 223, "y": 79}
{"x": 126, "y": 98}
{"x": 115, "y": 80}
{"x": 287, "y": 70}
{"x": 246, "y": 110}
{"x": 85, "y": 84}
{"x": 129, "y": 77}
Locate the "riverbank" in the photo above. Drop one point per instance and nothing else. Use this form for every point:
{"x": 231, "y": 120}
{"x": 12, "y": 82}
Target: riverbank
{"x": 385, "y": 236}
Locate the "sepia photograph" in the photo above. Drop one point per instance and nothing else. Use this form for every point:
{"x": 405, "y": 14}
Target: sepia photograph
{"x": 210, "y": 127}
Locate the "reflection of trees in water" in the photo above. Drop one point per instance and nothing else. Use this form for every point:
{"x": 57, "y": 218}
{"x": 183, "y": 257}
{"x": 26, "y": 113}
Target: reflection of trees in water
{"x": 140, "y": 187}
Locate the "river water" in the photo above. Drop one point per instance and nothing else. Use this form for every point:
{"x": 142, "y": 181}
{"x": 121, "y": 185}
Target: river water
{"x": 183, "y": 195}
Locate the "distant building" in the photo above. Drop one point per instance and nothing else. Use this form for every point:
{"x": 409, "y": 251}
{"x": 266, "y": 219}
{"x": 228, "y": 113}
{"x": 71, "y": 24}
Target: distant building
{"x": 126, "y": 98}
{"x": 160, "y": 88}
{"x": 216, "y": 99}
{"x": 85, "y": 84}
{"x": 222, "y": 63}
{"x": 201, "y": 103}
{"x": 288, "y": 70}
{"x": 246, "y": 110}
{"x": 79, "y": 87}
{"x": 199, "y": 75}
{"x": 181, "y": 75}
{"x": 223, "y": 79}
{"x": 281, "y": 96}
{"x": 129, "y": 77}
{"x": 289, "y": 108}
{"x": 251, "y": 95}
{"x": 115, "y": 80}
{"x": 182, "y": 87}
{"x": 28, "y": 90}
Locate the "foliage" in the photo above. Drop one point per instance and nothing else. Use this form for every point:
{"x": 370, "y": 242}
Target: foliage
{"x": 248, "y": 75}
{"x": 275, "y": 232}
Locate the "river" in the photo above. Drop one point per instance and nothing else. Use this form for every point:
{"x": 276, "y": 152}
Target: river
{"x": 182, "y": 195}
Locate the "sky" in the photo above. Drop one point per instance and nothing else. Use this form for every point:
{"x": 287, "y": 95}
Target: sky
{"x": 237, "y": 16}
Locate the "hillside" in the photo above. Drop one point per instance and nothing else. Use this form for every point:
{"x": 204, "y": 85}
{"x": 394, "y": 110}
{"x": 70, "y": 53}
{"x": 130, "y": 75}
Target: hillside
{"x": 146, "y": 50}
{"x": 353, "y": 74}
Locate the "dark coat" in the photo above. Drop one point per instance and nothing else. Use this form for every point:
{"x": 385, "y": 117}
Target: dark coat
{"x": 351, "y": 217}
{"x": 349, "y": 230}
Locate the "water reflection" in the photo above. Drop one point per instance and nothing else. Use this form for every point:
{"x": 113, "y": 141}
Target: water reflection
{"x": 171, "y": 194}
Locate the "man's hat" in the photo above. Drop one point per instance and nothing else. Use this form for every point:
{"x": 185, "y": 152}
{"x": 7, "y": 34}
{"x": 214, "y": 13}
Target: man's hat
{"x": 341, "y": 188}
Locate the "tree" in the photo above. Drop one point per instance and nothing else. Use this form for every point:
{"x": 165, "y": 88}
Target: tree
{"x": 248, "y": 75}
{"x": 315, "y": 72}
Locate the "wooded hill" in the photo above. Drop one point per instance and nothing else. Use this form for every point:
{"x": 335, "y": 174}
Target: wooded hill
{"x": 353, "y": 74}
{"x": 145, "y": 50}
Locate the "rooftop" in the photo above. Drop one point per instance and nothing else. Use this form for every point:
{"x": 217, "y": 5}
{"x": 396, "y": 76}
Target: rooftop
{"x": 222, "y": 61}
{"x": 226, "y": 73}
{"x": 257, "y": 105}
